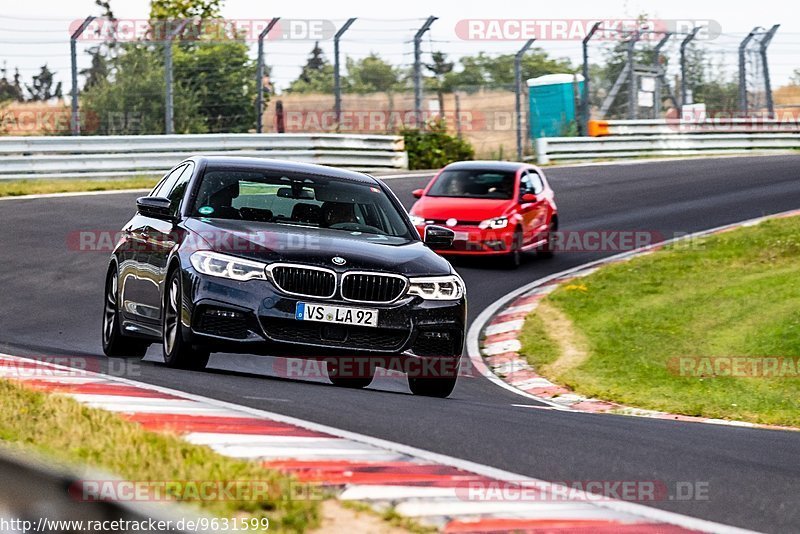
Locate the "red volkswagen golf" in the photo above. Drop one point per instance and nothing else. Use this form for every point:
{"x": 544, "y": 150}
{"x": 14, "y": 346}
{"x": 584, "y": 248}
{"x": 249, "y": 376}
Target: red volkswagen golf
{"x": 495, "y": 208}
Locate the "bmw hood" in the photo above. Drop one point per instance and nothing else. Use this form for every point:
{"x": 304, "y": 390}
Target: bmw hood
{"x": 269, "y": 242}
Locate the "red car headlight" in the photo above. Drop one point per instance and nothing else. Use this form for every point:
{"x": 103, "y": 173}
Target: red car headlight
{"x": 494, "y": 224}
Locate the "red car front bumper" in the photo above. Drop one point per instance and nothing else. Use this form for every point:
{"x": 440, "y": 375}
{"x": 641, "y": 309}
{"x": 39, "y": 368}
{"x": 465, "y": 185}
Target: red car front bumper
{"x": 474, "y": 241}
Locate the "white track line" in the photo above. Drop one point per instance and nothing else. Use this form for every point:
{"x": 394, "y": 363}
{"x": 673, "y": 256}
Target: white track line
{"x": 76, "y": 194}
{"x": 126, "y": 191}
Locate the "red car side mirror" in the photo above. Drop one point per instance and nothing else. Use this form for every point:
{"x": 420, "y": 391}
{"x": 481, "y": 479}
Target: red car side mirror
{"x": 417, "y": 193}
{"x": 528, "y": 198}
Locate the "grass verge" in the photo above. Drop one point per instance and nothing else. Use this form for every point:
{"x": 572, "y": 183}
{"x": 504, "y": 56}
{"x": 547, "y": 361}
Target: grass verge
{"x": 710, "y": 328}
{"x": 68, "y": 432}
{"x": 15, "y": 188}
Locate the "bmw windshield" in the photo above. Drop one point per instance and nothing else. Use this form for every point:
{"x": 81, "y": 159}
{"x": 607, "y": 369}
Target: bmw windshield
{"x": 297, "y": 200}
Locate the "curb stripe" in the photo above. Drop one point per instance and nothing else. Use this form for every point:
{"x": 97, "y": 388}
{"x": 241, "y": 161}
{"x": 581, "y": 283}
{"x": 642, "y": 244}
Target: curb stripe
{"x": 500, "y": 348}
{"x": 358, "y": 464}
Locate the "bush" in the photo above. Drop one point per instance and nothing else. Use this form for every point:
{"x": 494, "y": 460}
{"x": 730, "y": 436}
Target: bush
{"x": 434, "y": 147}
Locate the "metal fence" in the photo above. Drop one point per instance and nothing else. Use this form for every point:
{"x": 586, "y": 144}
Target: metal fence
{"x": 632, "y": 68}
{"x": 118, "y": 156}
{"x": 635, "y": 146}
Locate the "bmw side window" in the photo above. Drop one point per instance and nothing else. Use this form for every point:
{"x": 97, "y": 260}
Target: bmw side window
{"x": 154, "y": 192}
{"x": 179, "y": 189}
{"x": 536, "y": 184}
{"x": 168, "y": 182}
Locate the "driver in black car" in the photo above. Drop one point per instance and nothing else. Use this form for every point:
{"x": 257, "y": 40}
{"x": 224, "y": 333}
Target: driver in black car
{"x": 338, "y": 213}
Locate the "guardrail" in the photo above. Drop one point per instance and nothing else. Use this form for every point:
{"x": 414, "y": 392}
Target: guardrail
{"x": 601, "y": 128}
{"x": 37, "y": 498}
{"x": 632, "y": 146}
{"x": 118, "y": 156}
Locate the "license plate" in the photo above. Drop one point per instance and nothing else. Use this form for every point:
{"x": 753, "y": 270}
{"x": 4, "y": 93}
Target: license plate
{"x": 322, "y": 313}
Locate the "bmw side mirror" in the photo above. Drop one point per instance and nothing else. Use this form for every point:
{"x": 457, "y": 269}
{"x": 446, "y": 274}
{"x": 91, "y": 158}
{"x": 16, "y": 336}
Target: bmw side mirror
{"x": 417, "y": 193}
{"x": 527, "y": 198}
{"x": 155, "y": 207}
{"x": 439, "y": 237}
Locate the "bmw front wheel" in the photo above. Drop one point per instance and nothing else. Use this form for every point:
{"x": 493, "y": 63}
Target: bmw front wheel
{"x": 177, "y": 351}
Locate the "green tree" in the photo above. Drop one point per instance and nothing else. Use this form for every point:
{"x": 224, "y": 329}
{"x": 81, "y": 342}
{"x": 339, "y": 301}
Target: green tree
{"x": 471, "y": 77}
{"x": 316, "y": 63}
{"x": 42, "y": 87}
{"x": 221, "y": 77}
{"x": 434, "y": 147}
{"x": 11, "y": 90}
{"x": 214, "y": 79}
{"x": 710, "y": 82}
{"x": 371, "y": 74}
{"x": 440, "y": 68}
{"x": 185, "y": 9}
{"x": 497, "y": 72}
{"x": 99, "y": 69}
{"x": 131, "y": 100}
{"x": 320, "y": 81}
{"x": 316, "y": 76}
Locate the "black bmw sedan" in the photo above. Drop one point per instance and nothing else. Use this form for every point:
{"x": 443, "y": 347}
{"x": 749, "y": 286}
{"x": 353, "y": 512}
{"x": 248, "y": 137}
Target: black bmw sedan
{"x": 271, "y": 257}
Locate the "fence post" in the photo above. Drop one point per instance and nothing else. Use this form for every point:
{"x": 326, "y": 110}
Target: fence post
{"x": 684, "y": 44}
{"x": 743, "y": 69}
{"x": 584, "y": 122}
{"x": 657, "y": 62}
{"x": 169, "y": 112}
{"x": 337, "y": 82}
{"x": 260, "y": 75}
{"x": 633, "y": 82}
{"x": 518, "y": 92}
{"x": 75, "y": 123}
{"x": 457, "y": 99}
{"x": 767, "y": 84}
{"x": 418, "y": 70}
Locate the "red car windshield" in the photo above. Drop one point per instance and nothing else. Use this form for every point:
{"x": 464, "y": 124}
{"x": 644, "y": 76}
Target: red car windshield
{"x": 474, "y": 183}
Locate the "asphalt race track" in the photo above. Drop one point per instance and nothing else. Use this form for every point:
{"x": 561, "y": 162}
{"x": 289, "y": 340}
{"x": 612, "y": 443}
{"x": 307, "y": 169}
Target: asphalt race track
{"x": 50, "y": 304}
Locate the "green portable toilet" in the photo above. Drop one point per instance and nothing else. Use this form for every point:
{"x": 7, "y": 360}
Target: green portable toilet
{"x": 552, "y": 103}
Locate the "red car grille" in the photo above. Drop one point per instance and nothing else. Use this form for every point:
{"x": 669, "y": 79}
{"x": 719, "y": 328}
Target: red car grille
{"x": 442, "y": 222}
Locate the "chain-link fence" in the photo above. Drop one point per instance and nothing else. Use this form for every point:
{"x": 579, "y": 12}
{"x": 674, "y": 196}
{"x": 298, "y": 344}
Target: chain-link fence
{"x": 198, "y": 76}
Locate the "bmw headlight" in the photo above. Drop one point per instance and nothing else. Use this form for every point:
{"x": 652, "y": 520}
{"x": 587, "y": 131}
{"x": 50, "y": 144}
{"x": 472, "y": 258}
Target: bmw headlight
{"x": 416, "y": 220}
{"x": 437, "y": 287}
{"x": 224, "y": 266}
{"x": 495, "y": 224}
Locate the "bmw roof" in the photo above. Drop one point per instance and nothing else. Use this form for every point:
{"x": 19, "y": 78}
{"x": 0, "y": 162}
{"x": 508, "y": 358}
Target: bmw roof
{"x": 278, "y": 165}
